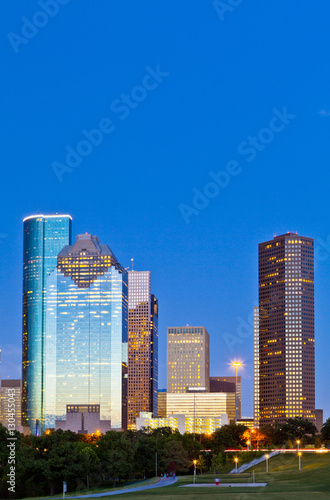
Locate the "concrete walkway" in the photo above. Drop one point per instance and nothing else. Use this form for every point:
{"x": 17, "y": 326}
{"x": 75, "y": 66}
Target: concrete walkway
{"x": 164, "y": 481}
{"x": 254, "y": 462}
{"x": 226, "y": 485}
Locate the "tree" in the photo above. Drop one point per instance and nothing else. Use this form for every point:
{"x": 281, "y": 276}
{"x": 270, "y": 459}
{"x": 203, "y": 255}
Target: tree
{"x": 145, "y": 455}
{"x": 117, "y": 455}
{"x": 318, "y": 443}
{"x": 91, "y": 461}
{"x": 297, "y": 428}
{"x": 255, "y": 436}
{"x": 201, "y": 465}
{"x": 325, "y": 432}
{"x": 175, "y": 452}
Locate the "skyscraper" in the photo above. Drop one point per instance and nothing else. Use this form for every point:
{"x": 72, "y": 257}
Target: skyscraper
{"x": 86, "y": 333}
{"x": 286, "y": 329}
{"x": 142, "y": 346}
{"x": 188, "y": 358}
{"x": 44, "y": 237}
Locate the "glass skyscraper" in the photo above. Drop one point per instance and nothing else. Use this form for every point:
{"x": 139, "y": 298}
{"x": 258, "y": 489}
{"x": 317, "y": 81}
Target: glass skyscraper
{"x": 142, "y": 346}
{"x": 44, "y": 237}
{"x": 86, "y": 346}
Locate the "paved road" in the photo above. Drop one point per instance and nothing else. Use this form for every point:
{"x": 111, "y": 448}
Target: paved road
{"x": 164, "y": 481}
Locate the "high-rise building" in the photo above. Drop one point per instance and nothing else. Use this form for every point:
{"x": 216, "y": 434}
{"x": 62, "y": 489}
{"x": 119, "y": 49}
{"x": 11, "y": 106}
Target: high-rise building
{"x": 44, "y": 237}
{"x": 286, "y": 329}
{"x": 86, "y": 346}
{"x": 188, "y": 358}
{"x": 228, "y": 384}
{"x": 256, "y": 380}
{"x": 142, "y": 346}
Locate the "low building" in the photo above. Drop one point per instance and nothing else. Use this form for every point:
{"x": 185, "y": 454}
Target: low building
{"x": 197, "y": 403}
{"x": 83, "y": 419}
{"x": 228, "y": 384}
{"x": 11, "y": 405}
{"x": 182, "y": 423}
{"x": 247, "y": 421}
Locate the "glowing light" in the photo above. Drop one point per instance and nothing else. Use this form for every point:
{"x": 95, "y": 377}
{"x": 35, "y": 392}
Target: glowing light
{"x": 46, "y": 216}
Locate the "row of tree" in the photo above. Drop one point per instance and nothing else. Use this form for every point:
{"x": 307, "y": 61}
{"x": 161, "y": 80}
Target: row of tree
{"x": 43, "y": 463}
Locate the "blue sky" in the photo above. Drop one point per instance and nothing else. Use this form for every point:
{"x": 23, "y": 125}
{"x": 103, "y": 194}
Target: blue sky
{"x": 245, "y": 92}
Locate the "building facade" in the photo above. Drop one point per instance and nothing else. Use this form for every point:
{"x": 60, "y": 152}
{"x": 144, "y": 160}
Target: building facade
{"x": 286, "y": 329}
{"x": 228, "y": 384}
{"x": 197, "y": 403}
{"x": 256, "y": 380}
{"x": 188, "y": 358}
{"x": 162, "y": 410}
{"x": 142, "y": 346}
{"x": 11, "y": 403}
{"x": 83, "y": 419}
{"x": 44, "y": 237}
{"x": 86, "y": 345}
{"x": 182, "y": 423}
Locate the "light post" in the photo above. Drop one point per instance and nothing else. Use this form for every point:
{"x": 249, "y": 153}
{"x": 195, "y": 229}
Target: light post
{"x": 298, "y": 443}
{"x": 236, "y": 365}
{"x": 236, "y": 461}
{"x": 195, "y": 462}
{"x": 299, "y": 457}
{"x": 267, "y": 457}
{"x": 248, "y": 445}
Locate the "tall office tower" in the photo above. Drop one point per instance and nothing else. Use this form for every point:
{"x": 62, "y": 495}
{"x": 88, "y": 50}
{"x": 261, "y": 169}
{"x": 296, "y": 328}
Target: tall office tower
{"x": 256, "y": 380}
{"x": 286, "y": 329}
{"x": 44, "y": 237}
{"x": 226, "y": 384}
{"x": 188, "y": 358}
{"x": 142, "y": 346}
{"x": 86, "y": 328}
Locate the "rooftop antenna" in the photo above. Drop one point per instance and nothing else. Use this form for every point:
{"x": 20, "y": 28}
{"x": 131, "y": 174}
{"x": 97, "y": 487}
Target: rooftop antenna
{"x": 132, "y": 260}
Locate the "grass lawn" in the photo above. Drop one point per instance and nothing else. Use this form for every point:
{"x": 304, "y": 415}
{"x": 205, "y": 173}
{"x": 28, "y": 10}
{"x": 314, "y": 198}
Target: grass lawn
{"x": 284, "y": 480}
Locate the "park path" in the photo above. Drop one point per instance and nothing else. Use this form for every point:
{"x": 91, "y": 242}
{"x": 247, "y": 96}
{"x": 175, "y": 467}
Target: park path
{"x": 164, "y": 481}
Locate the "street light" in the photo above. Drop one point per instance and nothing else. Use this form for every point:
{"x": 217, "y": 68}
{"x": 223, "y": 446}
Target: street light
{"x": 248, "y": 444}
{"x": 195, "y": 462}
{"x": 236, "y": 365}
{"x": 267, "y": 457}
{"x": 298, "y": 443}
{"x": 236, "y": 461}
{"x": 299, "y": 456}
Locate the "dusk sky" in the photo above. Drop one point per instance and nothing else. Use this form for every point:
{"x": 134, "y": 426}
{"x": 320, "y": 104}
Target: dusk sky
{"x": 174, "y": 92}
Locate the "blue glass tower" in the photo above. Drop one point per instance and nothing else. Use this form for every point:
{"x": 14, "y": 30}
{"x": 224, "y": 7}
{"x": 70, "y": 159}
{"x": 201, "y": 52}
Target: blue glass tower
{"x": 86, "y": 333}
{"x": 44, "y": 237}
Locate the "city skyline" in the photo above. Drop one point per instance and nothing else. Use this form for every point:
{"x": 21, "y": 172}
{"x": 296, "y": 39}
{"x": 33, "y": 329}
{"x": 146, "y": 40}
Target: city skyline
{"x": 206, "y": 125}
{"x": 247, "y": 371}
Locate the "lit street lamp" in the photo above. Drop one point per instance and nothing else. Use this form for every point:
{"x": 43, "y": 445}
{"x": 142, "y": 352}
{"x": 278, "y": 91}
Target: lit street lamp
{"x": 195, "y": 462}
{"x": 299, "y": 456}
{"x": 236, "y": 365}
{"x": 267, "y": 457}
{"x": 298, "y": 443}
{"x": 248, "y": 445}
{"x": 236, "y": 461}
